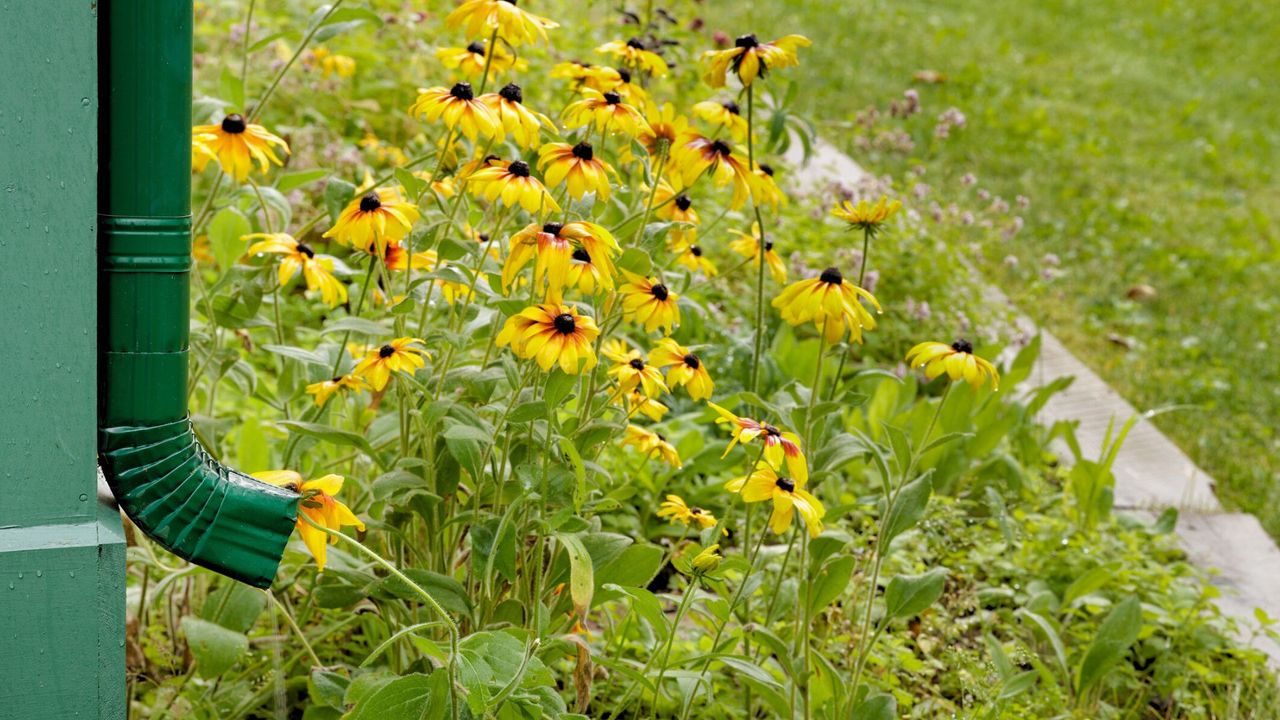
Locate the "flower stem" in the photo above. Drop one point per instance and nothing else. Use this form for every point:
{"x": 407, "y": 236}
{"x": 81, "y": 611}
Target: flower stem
{"x": 666, "y": 654}
{"x": 751, "y": 162}
{"x": 306, "y": 40}
{"x": 293, "y": 624}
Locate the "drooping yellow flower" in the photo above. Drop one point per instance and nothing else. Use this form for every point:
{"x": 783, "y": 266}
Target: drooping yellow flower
{"x": 459, "y": 110}
{"x": 637, "y": 402}
{"x": 319, "y": 504}
{"x": 632, "y": 372}
{"x": 374, "y": 221}
{"x": 956, "y": 360}
{"x": 663, "y": 128}
{"x": 317, "y": 270}
{"x": 619, "y": 80}
{"x": 787, "y": 495}
{"x": 780, "y": 446}
{"x": 334, "y": 64}
{"x": 648, "y": 302}
{"x": 400, "y": 355}
{"x": 636, "y": 56}
{"x": 326, "y": 389}
{"x": 238, "y": 144}
{"x": 865, "y": 216}
{"x": 831, "y": 303}
{"x": 725, "y": 114}
{"x": 575, "y": 71}
{"x": 514, "y": 184}
{"x": 551, "y": 333}
{"x": 748, "y": 246}
{"x": 521, "y": 123}
{"x": 765, "y": 190}
{"x": 201, "y": 153}
{"x": 708, "y": 559}
{"x": 470, "y": 60}
{"x": 684, "y": 368}
{"x": 696, "y": 154}
{"x": 513, "y": 23}
{"x": 675, "y": 511}
{"x": 693, "y": 258}
{"x": 556, "y": 248}
{"x": 749, "y": 58}
{"x": 604, "y": 110}
{"x": 577, "y": 166}
{"x": 651, "y": 443}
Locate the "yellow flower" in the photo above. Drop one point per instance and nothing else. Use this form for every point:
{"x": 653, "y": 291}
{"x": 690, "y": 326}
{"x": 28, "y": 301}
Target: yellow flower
{"x": 374, "y": 221}
{"x": 557, "y": 250}
{"x": 632, "y": 373}
{"x": 693, "y": 258}
{"x": 676, "y": 207}
{"x": 523, "y": 124}
{"x": 787, "y": 494}
{"x": 319, "y": 504}
{"x": 513, "y": 184}
{"x": 333, "y": 64}
{"x": 956, "y": 360}
{"x": 748, "y": 246}
{"x": 470, "y": 60}
{"x": 238, "y": 143}
{"x": 662, "y": 127}
{"x": 636, "y": 56}
{"x": 604, "y": 79}
{"x": 765, "y": 190}
{"x": 725, "y": 114}
{"x": 604, "y": 110}
{"x": 675, "y": 511}
{"x": 780, "y": 446}
{"x": 576, "y": 166}
{"x": 637, "y": 402}
{"x": 399, "y": 355}
{"x": 551, "y": 334}
{"x": 328, "y": 388}
{"x": 317, "y": 270}
{"x": 708, "y": 560}
{"x": 651, "y": 443}
{"x": 648, "y": 302}
{"x": 749, "y": 58}
{"x": 684, "y": 368}
{"x": 865, "y": 216}
{"x": 201, "y": 153}
{"x": 397, "y": 258}
{"x": 830, "y": 302}
{"x": 513, "y": 23}
{"x": 574, "y": 71}
{"x": 459, "y": 109}
{"x": 696, "y": 154}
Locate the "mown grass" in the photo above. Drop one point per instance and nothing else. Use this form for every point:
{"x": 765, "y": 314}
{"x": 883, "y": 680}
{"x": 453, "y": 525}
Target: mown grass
{"x": 1145, "y": 135}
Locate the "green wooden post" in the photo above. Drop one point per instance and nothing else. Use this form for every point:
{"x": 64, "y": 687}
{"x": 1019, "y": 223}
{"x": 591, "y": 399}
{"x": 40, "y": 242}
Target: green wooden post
{"x": 62, "y": 595}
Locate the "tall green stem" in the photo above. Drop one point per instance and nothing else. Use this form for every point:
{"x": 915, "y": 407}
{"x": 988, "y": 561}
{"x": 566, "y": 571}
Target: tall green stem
{"x": 751, "y": 163}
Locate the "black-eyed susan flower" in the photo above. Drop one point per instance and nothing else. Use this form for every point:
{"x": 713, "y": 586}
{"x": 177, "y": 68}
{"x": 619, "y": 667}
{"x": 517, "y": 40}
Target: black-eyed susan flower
{"x": 552, "y": 334}
{"x": 637, "y": 403}
{"x": 201, "y": 153}
{"x": 577, "y": 167}
{"x": 831, "y": 303}
{"x": 521, "y": 123}
{"x": 586, "y": 274}
{"x": 787, "y": 495}
{"x": 649, "y": 302}
{"x": 748, "y": 246}
{"x": 604, "y": 110}
{"x": 400, "y": 355}
{"x": 866, "y": 216}
{"x": 326, "y": 389}
{"x": 725, "y": 114}
{"x": 459, "y": 110}
{"x": 684, "y": 368}
{"x": 555, "y": 248}
{"x": 332, "y": 64}
{"x": 513, "y": 23}
{"x": 696, "y": 155}
{"x": 317, "y": 270}
{"x": 513, "y": 184}
{"x": 676, "y": 207}
{"x": 780, "y": 446}
{"x": 651, "y": 443}
{"x": 632, "y": 372}
{"x": 675, "y": 511}
{"x": 663, "y": 128}
{"x": 707, "y": 560}
{"x": 619, "y": 80}
{"x": 636, "y": 56}
{"x": 749, "y": 58}
{"x": 575, "y": 71}
{"x": 317, "y": 503}
{"x": 695, "y": 259}
{"x": 765, "y": 190}
{"x": 238, "y": 143}
{"x": 470, "y": 60}
{"x": 956, "y": 360}
{"x": 373, "y": 221}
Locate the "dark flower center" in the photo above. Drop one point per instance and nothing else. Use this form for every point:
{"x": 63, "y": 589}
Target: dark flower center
{"x": 635, "y": 44}
{"x": 721, "y": 147}
{"x": 581, "y": 255}
{"x": 683, "y": 202}
{"x": 305, "y": 249}
{"x": 552, "y": 228}
{"x": 660, "y": 291}
{"x": 636, "y": 364}
{"x": 462, "y": 91}
{"x": 233, "y": 124}
{"x": 831, "y": 276}
{"x": 519, "y": 168}
{"x": 624, "y": 74}
{"x": 768, "y": 245}
{"x": 963, "y": 346}
{"x": 695, "y": 250}
{"x": 512, "y": 93}
{"x": 695, "y": 511}
{"x": 771, "y": 430}
{"x": 766, "y": 169}
{"x": 747, "y": 41}
{"x": 732, "y": 107}
{"x": 785, "y": 484}
{"x": 612, "y": 98}
{"x": 476, "y": 47}
{"x": 584, "y": 151}
{"x": 386, "y": 351}
{"x": 370, "y": 202}
{"x": 483, "y": 237}
{"x": 564, "y": 324}
{"x": 692, "y": 361}
{"x": 337, "y": 379}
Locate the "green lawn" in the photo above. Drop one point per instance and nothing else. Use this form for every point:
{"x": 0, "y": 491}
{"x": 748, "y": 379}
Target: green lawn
{"x": 1146, "y": 135}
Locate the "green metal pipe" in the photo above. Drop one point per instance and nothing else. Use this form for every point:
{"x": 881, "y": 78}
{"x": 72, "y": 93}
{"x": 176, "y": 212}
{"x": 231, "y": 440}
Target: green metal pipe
{"x": 167, "y": 483}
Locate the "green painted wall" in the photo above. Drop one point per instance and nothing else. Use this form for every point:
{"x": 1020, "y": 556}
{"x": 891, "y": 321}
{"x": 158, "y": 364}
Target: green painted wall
{"x": 61, "y": 550}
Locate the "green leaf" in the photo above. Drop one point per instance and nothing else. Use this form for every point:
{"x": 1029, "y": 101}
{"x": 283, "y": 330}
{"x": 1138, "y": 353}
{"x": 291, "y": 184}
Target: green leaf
{"x": 412, "y": 184}
{"x": 411, "y": 697}
{"x": 635, "y": 566}
{"x": 462, "y": 431}
{"x": 581, "y": 572}
{"x": 225, "y": 237}
{"x": 358, "y": 325}
{"x": 559, "y": 385}
{"x": 1050, "y": 633}
{"x": 909, "y": 595}
{"x": 877, "y": 707}
{"x": 908, "y": 508}
{"x": 337, "y": 193}
{"x": 447, "y": 591}
{"x": 231, "y": 88}
{"x": 289, "y": 181}
{"x": 1116, "y": 633}
{"x": 635, "y": 260}
{"x": 327, "y": 688}
{"x": 308, "y": 357}
{"x": 234, "y": 606}
{"x": 831, "y": 582}
{"x": 343, "y": 20}
{"x": 1087, "y": 583}
{"x": 215, "y": 648}
{"x": 526, "y": 411}
{"x": 330, "y": 435}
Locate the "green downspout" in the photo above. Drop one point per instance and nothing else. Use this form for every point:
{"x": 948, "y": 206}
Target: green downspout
{"x": 166, "y": 482}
